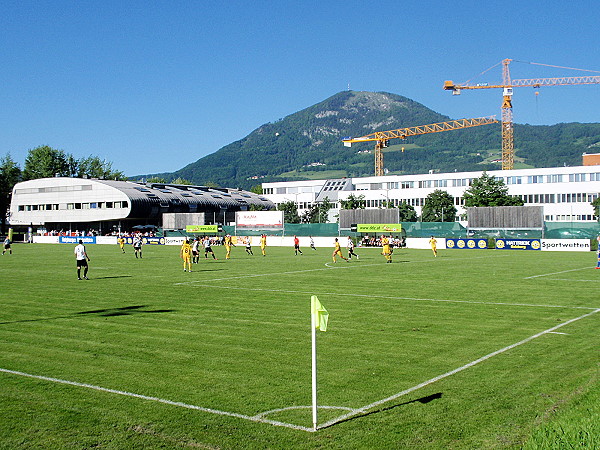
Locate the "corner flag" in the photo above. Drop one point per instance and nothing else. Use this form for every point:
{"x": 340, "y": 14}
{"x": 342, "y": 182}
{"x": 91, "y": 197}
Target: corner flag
{"x": 321, "y": 316}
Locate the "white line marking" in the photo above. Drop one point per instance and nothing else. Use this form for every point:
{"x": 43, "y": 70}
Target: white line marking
{"x": 572, "y": 280}
{"x": 341, "y": 266}
{"x": 344, "y": 294}
{"x": 558, "y": 332}
{"x": 256, "y": 418}
{"x": 452, "y": 372}
{"x": 555, "y": 273}
{"x": 301, "y": 407}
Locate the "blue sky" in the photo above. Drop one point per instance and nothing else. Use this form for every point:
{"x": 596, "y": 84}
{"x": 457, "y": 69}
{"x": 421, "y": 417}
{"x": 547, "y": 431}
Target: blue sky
{"x": 153, "y": 86}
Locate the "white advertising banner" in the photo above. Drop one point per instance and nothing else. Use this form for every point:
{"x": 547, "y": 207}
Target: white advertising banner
{"x": 259, "y": 219}
{"x": 566, "y": 245}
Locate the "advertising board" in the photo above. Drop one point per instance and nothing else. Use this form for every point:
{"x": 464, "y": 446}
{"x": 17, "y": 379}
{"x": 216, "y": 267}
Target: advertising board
{"x": 518, "y": 244}
{"x": 379, "y": 228}
{"x": 259, "y": 219}
{"x": 76, "y": 239}
{"x": 566, "y": 245}
{"x": 467, "y": 244}
{"x": 205, "y": 229}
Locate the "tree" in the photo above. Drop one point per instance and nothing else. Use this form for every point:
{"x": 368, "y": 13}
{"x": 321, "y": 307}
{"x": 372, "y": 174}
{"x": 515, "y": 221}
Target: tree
{"x": 10, "y": 174}
{"x": 94, "y": 167}
{"x": 257, "y": 189}
{"x": 407, "y": 212}
{"x": 317, "y": 213}
{"x": 354, "y": 202}
{"x": 157, "y": 180}
{"x": 489, "y": 191}
{"x": 180, "y": 180}
{"x": 290, "y": 212}
{"x": 439, "y": 207}
{"x": 596, "y": 205}
{"x": 47, "y": 162}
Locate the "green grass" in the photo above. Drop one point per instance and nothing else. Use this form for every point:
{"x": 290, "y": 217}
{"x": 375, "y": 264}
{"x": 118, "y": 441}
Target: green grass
{"x": 234, "y": 336}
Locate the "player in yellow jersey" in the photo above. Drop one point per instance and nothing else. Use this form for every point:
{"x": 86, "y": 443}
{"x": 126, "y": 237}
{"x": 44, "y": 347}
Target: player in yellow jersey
{"x": 337, "y": 251}
{"x": 387, "y": 249}
{"x": 263, "y": 244}
{"x": 186, "y": 255}
{"x": 228, "y": 243}
{"x": 433, "y": 244}
{"x": 121, "y": 242}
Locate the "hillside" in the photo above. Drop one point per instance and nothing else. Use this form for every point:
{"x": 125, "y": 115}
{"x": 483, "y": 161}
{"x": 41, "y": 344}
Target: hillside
{"x": 308, "y": 142}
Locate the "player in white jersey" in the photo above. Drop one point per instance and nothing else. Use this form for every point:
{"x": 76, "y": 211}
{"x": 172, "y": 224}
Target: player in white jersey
{"x": 82, "y": 260}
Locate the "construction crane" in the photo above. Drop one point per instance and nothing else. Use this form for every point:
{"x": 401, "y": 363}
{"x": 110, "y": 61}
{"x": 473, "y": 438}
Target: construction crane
{"x": 381, "y": 138}
{"x": 508, "y": 147}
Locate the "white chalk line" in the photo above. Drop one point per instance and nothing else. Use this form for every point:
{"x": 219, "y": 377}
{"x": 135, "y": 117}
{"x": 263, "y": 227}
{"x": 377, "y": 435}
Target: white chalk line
{"x": 255, "y": 418}
{"x": 341, "y": 266}
{"x": 386, "y": 297}
{"x": 365, "y": 408}
{"x": 556, "y": 273}
{"x": 260, "y": 417}
{"x": 573, "y": 280}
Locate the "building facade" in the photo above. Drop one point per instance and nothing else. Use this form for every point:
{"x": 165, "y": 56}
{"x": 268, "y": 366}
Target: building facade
{"x": 102, "y": 205}
{"x": 564, "y": 192}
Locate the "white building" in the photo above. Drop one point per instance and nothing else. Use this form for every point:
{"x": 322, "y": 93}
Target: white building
{"x": 66, "y": 203}
{"x": 564, "y": 192}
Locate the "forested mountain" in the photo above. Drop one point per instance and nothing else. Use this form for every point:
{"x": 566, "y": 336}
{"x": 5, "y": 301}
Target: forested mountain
{"x": 307, "y": 144}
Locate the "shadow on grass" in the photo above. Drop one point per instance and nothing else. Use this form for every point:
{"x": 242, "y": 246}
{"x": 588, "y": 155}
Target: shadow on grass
{"x": 423, "y": 400}
{"x": 111, "y": 312}
{"x": 125, "y": 311}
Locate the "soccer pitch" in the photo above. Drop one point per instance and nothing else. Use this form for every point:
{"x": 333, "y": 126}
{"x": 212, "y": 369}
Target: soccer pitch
{"x": 474, "y": 348}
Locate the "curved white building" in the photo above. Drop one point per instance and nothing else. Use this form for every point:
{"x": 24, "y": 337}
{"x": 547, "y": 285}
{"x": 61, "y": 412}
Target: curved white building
{"x": 63, "y": 203}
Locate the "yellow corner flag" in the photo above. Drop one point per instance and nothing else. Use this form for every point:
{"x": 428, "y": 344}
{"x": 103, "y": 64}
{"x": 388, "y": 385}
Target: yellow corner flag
{"x": 320, "y": 314}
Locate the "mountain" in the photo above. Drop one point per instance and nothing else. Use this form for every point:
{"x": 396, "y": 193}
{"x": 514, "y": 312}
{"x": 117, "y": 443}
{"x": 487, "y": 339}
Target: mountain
{"x": 307, "y": 144}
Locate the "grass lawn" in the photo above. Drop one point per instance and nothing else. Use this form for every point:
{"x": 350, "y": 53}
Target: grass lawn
{"x": 474, "y": 348}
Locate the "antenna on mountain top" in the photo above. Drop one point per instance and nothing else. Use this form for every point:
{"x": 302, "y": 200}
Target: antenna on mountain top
{"x": 348, "y": 87}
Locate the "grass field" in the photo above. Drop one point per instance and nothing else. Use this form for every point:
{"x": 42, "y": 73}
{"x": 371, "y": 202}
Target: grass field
{"x": 472, "y": 349}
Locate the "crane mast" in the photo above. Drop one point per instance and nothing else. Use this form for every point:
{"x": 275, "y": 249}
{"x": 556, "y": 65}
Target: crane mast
{"x": 381, "y": 138}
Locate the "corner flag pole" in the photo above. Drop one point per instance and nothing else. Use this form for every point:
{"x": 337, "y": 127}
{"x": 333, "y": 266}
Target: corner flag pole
{"x": 318, "y": 320}
{"x": 313, "y": 326}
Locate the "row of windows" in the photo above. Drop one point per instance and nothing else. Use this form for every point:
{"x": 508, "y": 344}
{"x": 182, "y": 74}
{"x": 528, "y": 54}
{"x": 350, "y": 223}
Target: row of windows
{"x": 78, "y": 187}
{"x": 459, "y": 182}
{"x": 69, "y": 206}
{"x": 580, "y": 197}
{"x": 459, "y": 201}
{"x": 570, "y": 217}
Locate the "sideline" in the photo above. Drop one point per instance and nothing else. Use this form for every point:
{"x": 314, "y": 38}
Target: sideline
{"x": 256, "y": 418}
{"x": 556, "y": 273}
{"x": 387, "y": 297}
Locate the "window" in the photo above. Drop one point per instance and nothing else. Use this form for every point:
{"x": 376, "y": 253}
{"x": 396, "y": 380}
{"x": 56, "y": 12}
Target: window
{"x": 577, "y": 177}
{"x": 514, "y": 180}
{"x": 535, "y": 179}
{"x": 554, "y": 178}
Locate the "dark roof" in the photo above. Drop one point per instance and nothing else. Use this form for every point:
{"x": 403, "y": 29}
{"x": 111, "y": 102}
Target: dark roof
{"x": 148, "y": 199}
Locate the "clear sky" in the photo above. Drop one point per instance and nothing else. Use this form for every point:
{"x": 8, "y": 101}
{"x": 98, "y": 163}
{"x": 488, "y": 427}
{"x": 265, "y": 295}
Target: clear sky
{"x": 155, "y": 85}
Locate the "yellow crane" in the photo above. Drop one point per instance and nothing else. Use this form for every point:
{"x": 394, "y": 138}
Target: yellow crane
{"x": 381, "y": 138}
{"x": 508, "y": 148}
